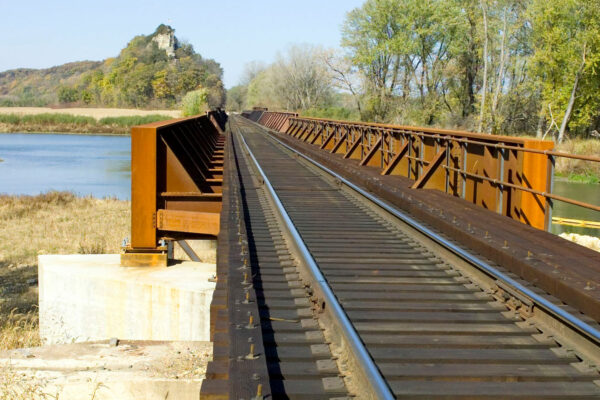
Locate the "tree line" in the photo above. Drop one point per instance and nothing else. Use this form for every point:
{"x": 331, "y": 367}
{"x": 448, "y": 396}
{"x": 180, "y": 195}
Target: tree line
{"x": 493, "y": 66}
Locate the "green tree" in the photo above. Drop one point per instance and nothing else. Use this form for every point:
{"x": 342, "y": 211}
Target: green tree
{"x": 401, "y": 45}
{"x": 195, "y": 102}
{"x": 160, "y": 86}
{"x": 566, "y": 60}
{"x": 67, "y": 94}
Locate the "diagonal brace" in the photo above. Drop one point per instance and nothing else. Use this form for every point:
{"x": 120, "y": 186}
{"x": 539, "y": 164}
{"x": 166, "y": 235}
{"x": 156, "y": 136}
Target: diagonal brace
{"x": 431, "y": 168}
{"x": 397, "y": 158}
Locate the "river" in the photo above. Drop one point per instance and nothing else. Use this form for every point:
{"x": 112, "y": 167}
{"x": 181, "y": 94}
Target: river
{"x": 100, "y": 166}
{"x": 97, "y": 165}
{"x": 587, "y": 193}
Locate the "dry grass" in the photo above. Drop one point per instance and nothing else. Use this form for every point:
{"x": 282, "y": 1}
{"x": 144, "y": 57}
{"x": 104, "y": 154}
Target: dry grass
{"x": 20, "y": 386}
{"x": 51, "y": 223}
{"x": 589, "y": 147}
{"x": 96, "y": 113}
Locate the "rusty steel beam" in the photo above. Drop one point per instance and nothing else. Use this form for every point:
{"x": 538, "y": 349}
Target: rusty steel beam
{"x": 371, "y": 152}
{"x": 517, "y": 169}
{"x": 176, "y": 184}
{"x": 278, "y": 121}
{"x": 205, "y": 223}
{"x": 394, "y": 161}
{"x": 431, "y": 168}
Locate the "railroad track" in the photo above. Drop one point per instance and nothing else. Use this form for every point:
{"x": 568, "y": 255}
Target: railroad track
{"x": 358, "y": 300}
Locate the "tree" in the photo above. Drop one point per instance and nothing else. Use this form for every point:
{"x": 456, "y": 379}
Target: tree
{"x": 375, "y": 40}
{"x": 298, "y": 80}
{"x": 251, "y": 71}
{"x": 484, "y": 12}
{"x": 401, "y": 46}
{"x": 67, "y": 94}
{"x": 566, "y": 58}
{"x": 236, "y": 98}
{"x": 302, "y": 80}
{"x": 344, "y": 76}
{"x": 194, "y": 102}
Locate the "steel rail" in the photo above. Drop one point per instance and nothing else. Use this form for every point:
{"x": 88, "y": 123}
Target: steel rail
{"x": 571, "y": 320}
{"x": 372, "y": 373}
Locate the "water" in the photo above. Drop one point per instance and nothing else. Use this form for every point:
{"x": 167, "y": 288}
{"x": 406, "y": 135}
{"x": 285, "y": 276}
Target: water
{"x": 586, "y": 193}
{"x": 94, "y": 165}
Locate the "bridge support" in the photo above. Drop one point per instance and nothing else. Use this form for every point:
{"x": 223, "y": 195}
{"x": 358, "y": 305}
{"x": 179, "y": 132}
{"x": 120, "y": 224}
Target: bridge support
{"x": 91, "y": 297}
{"x": 176, "y": 184}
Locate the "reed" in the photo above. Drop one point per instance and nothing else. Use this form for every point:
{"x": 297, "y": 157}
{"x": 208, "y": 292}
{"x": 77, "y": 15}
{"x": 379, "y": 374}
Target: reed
{"x": 50, "y": 223}
{"x": 69, "y": 123}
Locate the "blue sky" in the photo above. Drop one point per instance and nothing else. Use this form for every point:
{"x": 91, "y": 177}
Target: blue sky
{"x": 40, "y": 34}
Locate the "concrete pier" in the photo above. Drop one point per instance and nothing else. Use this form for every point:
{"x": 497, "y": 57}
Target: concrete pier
{"x": 91, "y": 297}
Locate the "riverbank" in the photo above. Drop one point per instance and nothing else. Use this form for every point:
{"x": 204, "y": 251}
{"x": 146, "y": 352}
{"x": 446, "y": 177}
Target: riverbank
{"x": 578, "y": 170}
{"x": 76, "y": 124}
{"x": 93, "y": 112}
{"x": 50, "y": 223}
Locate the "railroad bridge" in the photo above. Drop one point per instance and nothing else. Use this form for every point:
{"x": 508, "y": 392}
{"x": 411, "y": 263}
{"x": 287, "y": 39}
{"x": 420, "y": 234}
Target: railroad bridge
{"x": 361, "y": 260}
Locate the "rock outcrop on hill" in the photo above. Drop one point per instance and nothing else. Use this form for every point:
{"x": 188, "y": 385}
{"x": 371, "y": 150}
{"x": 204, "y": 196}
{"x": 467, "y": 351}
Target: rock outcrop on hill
{"x": 154, "y": 70}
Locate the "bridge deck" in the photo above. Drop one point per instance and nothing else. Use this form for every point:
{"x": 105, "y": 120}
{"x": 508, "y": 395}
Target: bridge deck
{"x": 432, "y": 327}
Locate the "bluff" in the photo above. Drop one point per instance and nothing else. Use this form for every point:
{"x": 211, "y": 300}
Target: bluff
{"x": 154, "y": 70}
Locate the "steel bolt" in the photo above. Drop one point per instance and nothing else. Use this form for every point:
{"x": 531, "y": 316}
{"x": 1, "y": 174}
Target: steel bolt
{"x": 247, "y": 299}
{"x": 251, "y": 355}
{"x": 259, "y": 395}
{"x": 250, "y": 323}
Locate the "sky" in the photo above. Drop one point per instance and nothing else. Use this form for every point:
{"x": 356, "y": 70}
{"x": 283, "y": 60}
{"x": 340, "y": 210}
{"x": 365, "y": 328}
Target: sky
{"x": 41, "y": 34}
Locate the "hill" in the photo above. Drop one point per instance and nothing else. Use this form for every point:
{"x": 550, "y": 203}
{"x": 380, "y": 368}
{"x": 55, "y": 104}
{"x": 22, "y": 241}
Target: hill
{"x": 153, "y": 71}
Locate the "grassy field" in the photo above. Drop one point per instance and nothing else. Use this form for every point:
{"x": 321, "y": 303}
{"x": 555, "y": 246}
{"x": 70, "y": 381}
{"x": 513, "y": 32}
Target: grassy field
{"x": 51, "y": 223}
{"x": 78, "y": 120}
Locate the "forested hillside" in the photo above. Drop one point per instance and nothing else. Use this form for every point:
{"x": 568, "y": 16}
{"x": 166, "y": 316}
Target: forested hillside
{"x": 495, "y": 66}
{"x": 153, "y": 71}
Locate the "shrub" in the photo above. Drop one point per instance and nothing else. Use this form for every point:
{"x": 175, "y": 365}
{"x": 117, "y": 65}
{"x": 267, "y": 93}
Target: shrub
{"x": 579, "y": 170}
{"x": 339, "y": 113}
{"x": 128, "y": 121}
{"x": 10, "y": 118}
{"x": 194, "y": 102}
{"x": 48, "y": 118}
